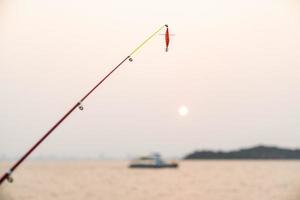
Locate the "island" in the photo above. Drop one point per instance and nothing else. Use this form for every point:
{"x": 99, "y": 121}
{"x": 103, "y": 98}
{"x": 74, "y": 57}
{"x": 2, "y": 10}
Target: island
{"x": 257, "y": 152}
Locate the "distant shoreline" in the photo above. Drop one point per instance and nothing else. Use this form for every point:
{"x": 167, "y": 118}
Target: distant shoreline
{"x": 259, "y": 152}
{"x": 254, "y": 153}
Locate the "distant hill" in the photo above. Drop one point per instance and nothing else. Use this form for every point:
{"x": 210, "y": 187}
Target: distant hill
{"x": 257, "y": 152}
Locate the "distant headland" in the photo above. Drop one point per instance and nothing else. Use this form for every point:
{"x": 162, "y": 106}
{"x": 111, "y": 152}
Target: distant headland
{"x": 257, "y": 152}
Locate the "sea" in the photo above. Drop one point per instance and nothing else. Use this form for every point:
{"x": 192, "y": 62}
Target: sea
{"x": 193, "y": 180}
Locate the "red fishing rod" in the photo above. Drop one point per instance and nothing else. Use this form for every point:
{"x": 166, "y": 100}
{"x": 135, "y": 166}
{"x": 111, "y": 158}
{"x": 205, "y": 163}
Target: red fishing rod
{"x": 8, "y": 175}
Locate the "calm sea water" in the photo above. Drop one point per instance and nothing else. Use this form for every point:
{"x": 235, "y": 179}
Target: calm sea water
{"x": 193, "y": 180}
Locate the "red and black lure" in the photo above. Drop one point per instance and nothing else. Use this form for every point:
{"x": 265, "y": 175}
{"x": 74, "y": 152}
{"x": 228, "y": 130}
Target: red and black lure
{"x": 167, "y": 38}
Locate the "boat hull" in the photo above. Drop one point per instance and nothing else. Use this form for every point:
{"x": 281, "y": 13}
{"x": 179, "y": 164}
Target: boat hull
{"x": 173, "y": 165}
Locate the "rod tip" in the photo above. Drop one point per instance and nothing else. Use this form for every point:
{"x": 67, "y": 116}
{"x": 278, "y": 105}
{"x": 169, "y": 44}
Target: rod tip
{"x": 166, "y": 25}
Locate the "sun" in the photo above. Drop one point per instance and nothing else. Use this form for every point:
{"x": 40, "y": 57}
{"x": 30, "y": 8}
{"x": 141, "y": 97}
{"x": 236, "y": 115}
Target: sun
{"x": 183, "y": 110}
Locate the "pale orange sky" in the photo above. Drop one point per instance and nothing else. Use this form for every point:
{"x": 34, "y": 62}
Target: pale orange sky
{"x": 234, "y": 64}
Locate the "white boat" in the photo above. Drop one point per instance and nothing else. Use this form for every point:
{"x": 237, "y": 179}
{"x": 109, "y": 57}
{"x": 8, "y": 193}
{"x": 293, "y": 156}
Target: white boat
{"x": 152, "y": 161}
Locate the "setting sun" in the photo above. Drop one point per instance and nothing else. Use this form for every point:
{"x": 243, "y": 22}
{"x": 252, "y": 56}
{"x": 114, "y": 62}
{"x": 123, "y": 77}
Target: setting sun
{"x": 183, "y": 110}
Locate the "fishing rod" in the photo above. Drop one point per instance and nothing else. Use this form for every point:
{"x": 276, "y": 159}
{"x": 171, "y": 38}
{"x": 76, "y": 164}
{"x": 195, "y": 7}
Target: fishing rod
{"x": 8, "y": 175}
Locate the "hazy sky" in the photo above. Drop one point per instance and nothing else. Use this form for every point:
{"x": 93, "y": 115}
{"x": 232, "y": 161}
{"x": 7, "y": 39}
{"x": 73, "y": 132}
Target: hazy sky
{"x": 234, "y": 63}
